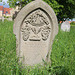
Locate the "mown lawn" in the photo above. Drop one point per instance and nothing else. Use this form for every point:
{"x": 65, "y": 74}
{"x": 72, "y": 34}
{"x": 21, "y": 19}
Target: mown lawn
{"x": 62, "y": 56}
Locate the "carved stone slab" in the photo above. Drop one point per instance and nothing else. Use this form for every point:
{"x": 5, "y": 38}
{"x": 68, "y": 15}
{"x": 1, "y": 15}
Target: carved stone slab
{"x": 65, "y": 26}
{"x": 35, "y": 28}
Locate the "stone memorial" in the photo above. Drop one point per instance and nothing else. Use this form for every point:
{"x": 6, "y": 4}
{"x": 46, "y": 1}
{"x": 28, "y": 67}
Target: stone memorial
{"x": 2, "y": 18}
{"x": 65, "y": 26}
{"x": 35, "y": 28}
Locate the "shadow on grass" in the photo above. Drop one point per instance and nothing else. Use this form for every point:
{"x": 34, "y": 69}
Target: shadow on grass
{"x": 59, "y": 70}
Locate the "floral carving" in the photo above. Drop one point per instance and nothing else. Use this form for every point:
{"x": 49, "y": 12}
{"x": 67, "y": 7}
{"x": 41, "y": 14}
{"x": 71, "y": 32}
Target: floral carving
{"x": 45, "y": 32}
{"x": 37, "y": 23}
{"x": 26, "y": 33}
{"x": 37, "y": 19}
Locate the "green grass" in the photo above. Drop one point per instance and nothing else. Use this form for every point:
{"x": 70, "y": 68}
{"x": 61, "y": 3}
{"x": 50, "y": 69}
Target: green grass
{"x": 62, "y": 56}
{"x": 63, "y": 51}
{"x": 72, "y": 23}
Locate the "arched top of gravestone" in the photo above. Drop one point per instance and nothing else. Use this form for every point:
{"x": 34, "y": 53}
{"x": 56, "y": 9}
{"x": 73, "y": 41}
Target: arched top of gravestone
{"x": 34, "y": 5}
{"x": 38, "y": 0}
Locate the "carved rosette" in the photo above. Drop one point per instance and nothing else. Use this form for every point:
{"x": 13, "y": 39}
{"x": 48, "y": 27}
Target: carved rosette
{"x": 45, "y": 33}
{"x": 37, "y": 23}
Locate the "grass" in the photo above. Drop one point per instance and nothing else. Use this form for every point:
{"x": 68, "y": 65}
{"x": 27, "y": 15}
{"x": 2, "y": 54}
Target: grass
{"x": 63, "y": 51}
{"x": 72, "y": 23}
{"x": 62, "y": 56}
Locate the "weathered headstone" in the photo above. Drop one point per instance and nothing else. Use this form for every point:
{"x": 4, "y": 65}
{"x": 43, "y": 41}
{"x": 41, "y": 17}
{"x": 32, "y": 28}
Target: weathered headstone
{"x": 2, "y": 18}
{"x": 9, "y": 19}
{"x": 65, "y": 26}
{"x": 35, "y": 28}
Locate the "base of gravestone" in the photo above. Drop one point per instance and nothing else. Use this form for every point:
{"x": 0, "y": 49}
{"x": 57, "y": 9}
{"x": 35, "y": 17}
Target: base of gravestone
{"x": 43, "y": 63}
{"x": 38, "y": 66}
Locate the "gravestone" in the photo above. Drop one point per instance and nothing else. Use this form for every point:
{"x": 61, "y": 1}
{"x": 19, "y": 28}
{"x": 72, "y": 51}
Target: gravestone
{"x": 9, "y": 19}
{"x": 2, "y": 18}
{"x": 35, "y": 28}
{"x": 65, "y": 26}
